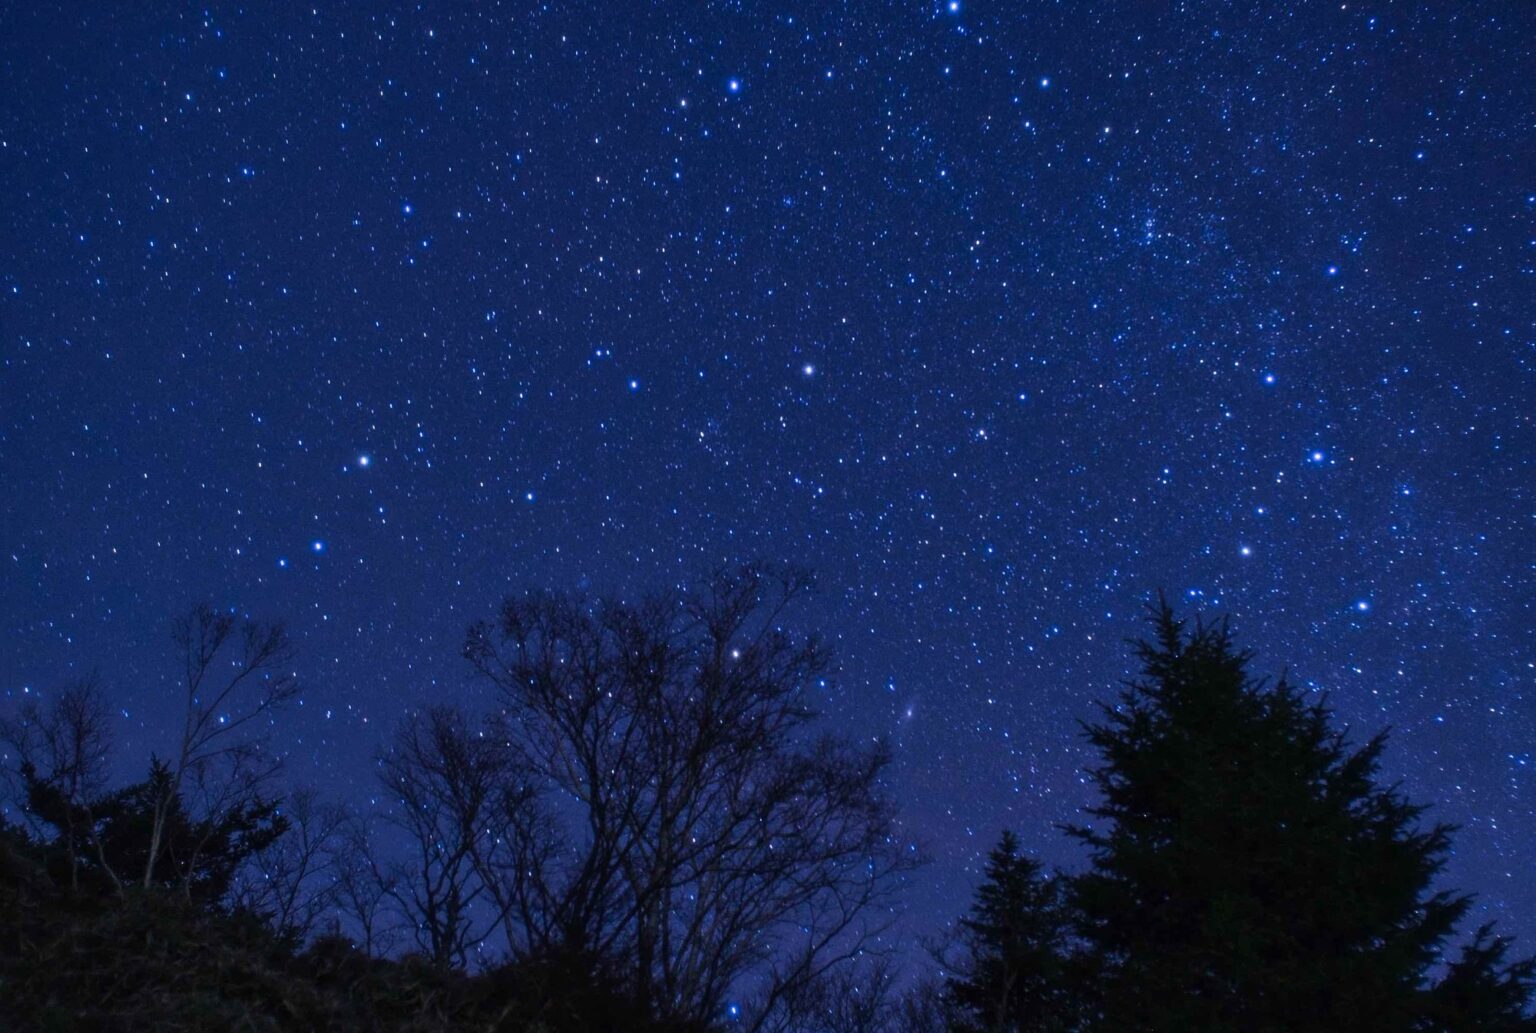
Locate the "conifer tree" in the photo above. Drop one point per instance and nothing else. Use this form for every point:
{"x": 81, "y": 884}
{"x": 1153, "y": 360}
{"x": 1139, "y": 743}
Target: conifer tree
{"x": 1248, "y": 870}
{"x": 1014, "y": 973}
{"x": 1482, "y": 991}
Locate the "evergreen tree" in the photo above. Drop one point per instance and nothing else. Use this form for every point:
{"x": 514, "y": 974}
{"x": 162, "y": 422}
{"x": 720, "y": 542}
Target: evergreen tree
{"x": 1249, "y": 872}
{"x": 1481, "y": 992}
{"x": 1014, "y": 973}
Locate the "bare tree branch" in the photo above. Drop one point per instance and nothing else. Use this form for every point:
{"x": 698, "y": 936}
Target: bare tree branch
{"x": 234, "y": 676}
{"x": 62, "y": 748}
{"x": 706, "y": 827}
{"x": 293, "y": 882}
{"x": 447, "y": 779}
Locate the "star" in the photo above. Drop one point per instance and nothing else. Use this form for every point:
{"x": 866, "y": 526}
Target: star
{"x": 919, "y": 202}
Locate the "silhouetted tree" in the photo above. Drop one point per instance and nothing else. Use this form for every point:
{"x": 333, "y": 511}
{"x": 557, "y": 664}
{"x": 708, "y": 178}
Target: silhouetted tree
{"x": 926, "y": 1006}
{"x": 445, "y": 777}
{"x": 61, "y": 749}
{"x": 293, "y": 880}
{"x": 1014, "y": 971}
{"x": 708, "y": 841}
{"x": 656, "y": 833}
{"x": 365, "y": 888}
{"x": 1248, "y": 872}
{"x": 196, "y": 856}
{"x": 1483, "y": 991}
{"x": 861, "y": 997}
{"x": 234, "y": 676}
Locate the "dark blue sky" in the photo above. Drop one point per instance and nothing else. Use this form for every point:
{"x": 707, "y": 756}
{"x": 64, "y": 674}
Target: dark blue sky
{"x": 1000, "y": 316}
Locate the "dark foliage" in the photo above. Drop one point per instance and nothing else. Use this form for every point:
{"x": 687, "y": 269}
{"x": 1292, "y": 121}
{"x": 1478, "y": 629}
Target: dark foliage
{"x": 1015, "y": 971}
{"x": 1249, "y": 871}
{"x": 153, "y": 960}
{"x": 1482, "y": 990}
{"x": 197, "y": 857}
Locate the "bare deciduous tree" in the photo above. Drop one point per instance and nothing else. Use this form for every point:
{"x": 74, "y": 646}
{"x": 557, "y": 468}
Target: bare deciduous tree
{"x": 62, "y": 748}
{"x": 294, "y": 881}
{"x": 235, "y": 675}
{"x": 365, "y": 890}
{"x": 444, "y": 777}
{"x": 860, "y": 997}
{"x": 710, "y": 838}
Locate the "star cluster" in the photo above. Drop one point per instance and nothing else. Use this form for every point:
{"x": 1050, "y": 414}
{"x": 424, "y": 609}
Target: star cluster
{"x": 1001, "y": 317}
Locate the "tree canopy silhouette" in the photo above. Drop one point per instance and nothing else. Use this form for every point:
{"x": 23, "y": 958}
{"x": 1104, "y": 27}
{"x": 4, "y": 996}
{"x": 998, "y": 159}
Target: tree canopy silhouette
{"x": 721, "y": 846}
{"x": 1249, "y": 871}
{"x": 198, "y": 856}
{"x": 651, "y": 831}
{"x": 1014, "y": 971}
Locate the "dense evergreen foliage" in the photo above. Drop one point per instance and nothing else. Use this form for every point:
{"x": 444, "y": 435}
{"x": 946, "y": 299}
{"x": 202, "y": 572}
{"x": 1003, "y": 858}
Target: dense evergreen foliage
{"x": 1017, "y": 970}
{"x": 1246, "y": 868}
{"x": 1247, "y": 872}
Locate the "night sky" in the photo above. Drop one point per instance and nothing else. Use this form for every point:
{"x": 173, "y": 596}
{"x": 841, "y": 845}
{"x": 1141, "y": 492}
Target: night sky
{"x": 1001, "y": 317}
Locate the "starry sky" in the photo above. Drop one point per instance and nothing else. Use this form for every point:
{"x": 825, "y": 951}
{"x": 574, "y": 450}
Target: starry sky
{"x": 1000, "y": 316}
